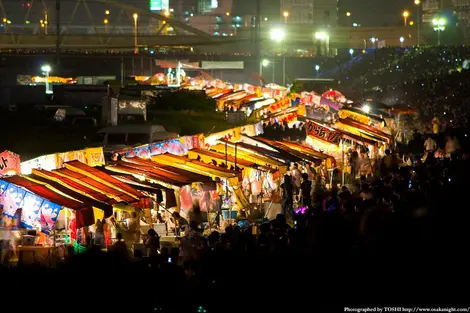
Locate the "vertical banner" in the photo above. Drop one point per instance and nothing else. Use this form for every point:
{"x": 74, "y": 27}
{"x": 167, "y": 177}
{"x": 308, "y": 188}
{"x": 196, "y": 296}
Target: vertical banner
{"x": 49, "y": 213}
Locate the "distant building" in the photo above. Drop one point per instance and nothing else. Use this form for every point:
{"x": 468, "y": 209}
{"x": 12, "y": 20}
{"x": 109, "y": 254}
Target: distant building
{"x": 312, "y": 12}
{"x": 213, "y": 17}
{"x": 461, "y": 9}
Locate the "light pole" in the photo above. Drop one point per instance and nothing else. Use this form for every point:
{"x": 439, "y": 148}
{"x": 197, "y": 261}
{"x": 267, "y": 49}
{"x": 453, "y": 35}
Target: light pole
{"x": 439, "y": 26}
{"x": 351, "y": 52}
{"x": 348, "y": 14}
{"x": 46, "y": 69}
{"x": 324, "y": 37}
{"x": 373, "y": 40}
{"x": 46, "y": 22}
{"x": 135, "y": 16}
{"x": 286, "y": 16}
{"x": 317, "y": 68}
{"x": 105, "y": 22}
{"x": 262, "y": 64}
{"x": 402, "y": 40}
{"x": 418, "y": 20}
{"x": 278, "y": 35}
{"x": 405, "y": 16}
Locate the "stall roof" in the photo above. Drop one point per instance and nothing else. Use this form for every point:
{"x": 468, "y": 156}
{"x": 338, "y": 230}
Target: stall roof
{"x": 86, "y": 199}
{"x": 221, "y": 156}
{"x": 280, "y": 155}
{"x": 121, "y": 168}
{"x": 95, "y": 185}
{"x": 171, "y": 177}
{"x": 168, "y": 169}
{"x": 98, "y": 175}
{"x": 188, "y": 164}
{"x": 308, "y": 150}
{"x": 71, "y": 184}
{"x": 257, "y": 158}
{"x": 297, "y": 153}
{"x": 46, "y": 193}
{"x": 367, "y": 129}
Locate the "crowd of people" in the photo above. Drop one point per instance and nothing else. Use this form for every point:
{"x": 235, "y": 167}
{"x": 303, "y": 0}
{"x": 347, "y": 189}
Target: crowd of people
{"x": 430, "y": 79}
{"x": 397, "y": 229}
{"x": 399, "y": 232}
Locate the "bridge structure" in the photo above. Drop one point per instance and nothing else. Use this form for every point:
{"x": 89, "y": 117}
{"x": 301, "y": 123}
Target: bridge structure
{"x": 117, "y": 25}
{"x": 111, "y": 24}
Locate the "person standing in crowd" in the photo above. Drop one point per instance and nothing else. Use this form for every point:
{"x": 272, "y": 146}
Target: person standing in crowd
{"x": 287, "y": 195}
{"x": 452, "y": 146}
{"x": 152, "y": 244}
{"x": 430, "y": 145}
{"x": 120, "y": 247}
{"x": 436, "y": 125}
{"x": 295, "y": 176}
{"x": 133, "y": 225}
{"x": 353, "y": 161}
{"x": 195, "y": 218}
{"x": 387, "y": 161}
{"x": 305, "y": 191}
{"x": 99, "y": 233}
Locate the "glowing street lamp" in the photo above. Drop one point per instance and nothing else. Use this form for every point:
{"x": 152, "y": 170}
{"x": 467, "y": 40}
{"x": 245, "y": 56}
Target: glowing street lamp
{"x": 348, "y": 14}
{"x": 263, "y": 63}
{"x": 135, "y": 16}
{"x": 418, "y": 21}
{"x": 405, "y": 16}
{"x": 46, "y": 69}
{"x": 402, "y": 40}
{"x": 107, "y": 12}
{"x": 351, "y": 52}
{"x": 439, "y": 26}
{"x": 286, "y": 16}
{"x": 278, "y": 35}
{"x": 323, "y": 36}
{"x": 106, "y": 22}
{"x": 317, "y": 69}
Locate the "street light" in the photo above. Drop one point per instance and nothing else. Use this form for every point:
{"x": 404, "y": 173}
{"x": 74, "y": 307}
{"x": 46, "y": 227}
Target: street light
{"x": 106, "y": 12}
{"x": 317, "y": 68}
{"x": 348, "y": 14}
{"x": 439, "y": 26}
{"x": 405, "y": 16}
{"x": 105, "y": 22}
{"x": 374, "y": 40}
{"x": 351, "y": 52}
{"x": 262, "y": 64}
{"x": 323, "y": 36}
{"x": 418, "y": 20}
{"x": 46, "y": 69}
{"x": 402, "y": 40}
{"x": 135, "y": 16}
{"x": 286, "y": 16}
{"x": 278, "y": 35}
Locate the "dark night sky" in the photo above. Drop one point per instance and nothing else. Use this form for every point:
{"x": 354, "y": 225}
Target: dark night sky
{"x": 365, "y": 12}
{"x": 376, "y": 12}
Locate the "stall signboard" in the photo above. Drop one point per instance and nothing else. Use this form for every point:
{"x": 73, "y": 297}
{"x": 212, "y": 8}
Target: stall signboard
{"x": 363, "y": 119}
{"x": 9, "y": 163}
{"x": 324, "y": 133}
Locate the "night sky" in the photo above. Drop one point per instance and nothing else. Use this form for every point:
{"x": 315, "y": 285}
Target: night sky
{"x": 376, "y": 12}
{"x": 365, "y": 12}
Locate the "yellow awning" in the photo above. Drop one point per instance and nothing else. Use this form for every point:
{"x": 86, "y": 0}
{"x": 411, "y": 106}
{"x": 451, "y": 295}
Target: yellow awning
{"x": 189, "y": 166}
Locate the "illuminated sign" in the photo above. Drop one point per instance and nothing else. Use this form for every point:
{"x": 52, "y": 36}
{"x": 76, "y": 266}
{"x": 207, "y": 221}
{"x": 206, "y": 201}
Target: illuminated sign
{"x": 159, "y": 5}
{"x": 323, "y": 133}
